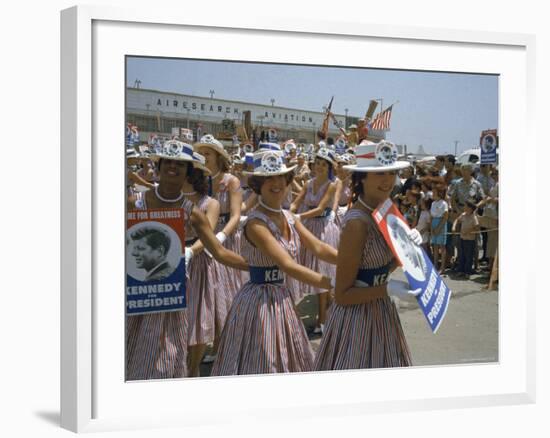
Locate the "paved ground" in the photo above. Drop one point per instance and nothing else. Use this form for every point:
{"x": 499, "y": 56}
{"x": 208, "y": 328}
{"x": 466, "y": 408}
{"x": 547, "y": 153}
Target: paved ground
{"x": 469, "y": 333}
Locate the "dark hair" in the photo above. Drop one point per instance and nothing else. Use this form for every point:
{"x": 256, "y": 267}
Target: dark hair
{"x": 197, "y": 179}
{"x": 440, "y": 190}
{"x": 330, "y": 141}
{"x": 427, "y": 201}
{"x": 357, "y": 185}
{"x": 451, "y": 159}
{"x": 256, "y": 182}
{"x": 155, "y": 237}
{"x": 223, "y": 164}
{"x": 415, "y": 194}
{"x": 330, "y": 167}
{"x": 440, "y": 158}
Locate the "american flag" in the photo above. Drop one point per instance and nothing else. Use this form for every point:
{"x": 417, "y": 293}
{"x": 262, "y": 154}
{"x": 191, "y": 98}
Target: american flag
{"x": 382, "y": 121}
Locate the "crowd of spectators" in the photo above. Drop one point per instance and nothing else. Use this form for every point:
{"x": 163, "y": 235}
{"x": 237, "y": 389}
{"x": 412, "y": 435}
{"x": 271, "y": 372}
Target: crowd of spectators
{"x": 455, "y": 208}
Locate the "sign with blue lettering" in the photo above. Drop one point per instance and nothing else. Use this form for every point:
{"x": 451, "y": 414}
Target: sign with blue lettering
{"x": 155, "y": 261}
{"x": 488, "y": 145}
{"x": 420, "y": 273}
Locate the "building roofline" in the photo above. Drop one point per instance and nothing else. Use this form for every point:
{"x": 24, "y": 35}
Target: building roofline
{"x": 233, "y": 101}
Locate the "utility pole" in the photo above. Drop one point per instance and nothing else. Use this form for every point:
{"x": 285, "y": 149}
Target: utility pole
{"x": 346, "y": 119}
{"x": 456, "y": 145}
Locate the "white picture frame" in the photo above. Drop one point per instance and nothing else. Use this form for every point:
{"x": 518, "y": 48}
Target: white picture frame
{"x": 93, "y": 397}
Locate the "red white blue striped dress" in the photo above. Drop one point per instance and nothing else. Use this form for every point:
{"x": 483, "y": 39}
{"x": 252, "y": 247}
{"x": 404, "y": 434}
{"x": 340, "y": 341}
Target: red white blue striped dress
{"x": 364, "y": 335}
{"x": 324, "y": 229}
{"x": 202, "y": 287}
{"x": 343, "y": 202}
{"x": 263, "y": 333}
{"x": 230, "y": 279}
{"x": 156, "y": 343}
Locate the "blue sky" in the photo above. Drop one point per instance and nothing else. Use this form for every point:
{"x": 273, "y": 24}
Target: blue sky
{"x": 434, "y": 109}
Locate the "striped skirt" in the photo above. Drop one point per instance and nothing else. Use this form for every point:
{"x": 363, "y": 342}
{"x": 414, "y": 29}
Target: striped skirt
{"x": 363, "y": 336}
{"x": 201, "y": 288}
{"x": 340, "y": 213}
{"x": 229, "y": 283}
{"x": 326, "y": 231}
{"x": 156, "y": 346}
{"x": 263, "y": 334}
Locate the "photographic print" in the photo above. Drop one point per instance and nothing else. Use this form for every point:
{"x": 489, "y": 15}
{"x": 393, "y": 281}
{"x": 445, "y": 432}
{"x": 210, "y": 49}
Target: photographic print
{"x": 253, "y": 245}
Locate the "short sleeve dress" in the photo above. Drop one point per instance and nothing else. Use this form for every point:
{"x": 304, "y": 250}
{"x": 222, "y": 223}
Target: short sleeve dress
{"x": 322, "y": 227}
{"x": 229, "y": 279}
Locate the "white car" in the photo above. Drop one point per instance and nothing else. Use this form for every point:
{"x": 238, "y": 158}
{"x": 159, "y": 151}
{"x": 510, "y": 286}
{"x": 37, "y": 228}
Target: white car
{"x": 469, "y": 156}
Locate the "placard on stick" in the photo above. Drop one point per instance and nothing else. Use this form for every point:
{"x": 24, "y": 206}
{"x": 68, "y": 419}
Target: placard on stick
{"x": 418, "y": 268}
{"x": 155, "y": 261}
{"x": 488, "y": 142}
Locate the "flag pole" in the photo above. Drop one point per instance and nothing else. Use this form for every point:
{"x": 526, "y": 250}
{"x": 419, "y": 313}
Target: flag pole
{"x": 395, "y": 103}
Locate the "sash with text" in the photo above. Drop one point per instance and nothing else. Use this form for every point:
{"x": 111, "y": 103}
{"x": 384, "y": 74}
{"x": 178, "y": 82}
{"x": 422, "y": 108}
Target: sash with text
{"x": 419, "y": 270}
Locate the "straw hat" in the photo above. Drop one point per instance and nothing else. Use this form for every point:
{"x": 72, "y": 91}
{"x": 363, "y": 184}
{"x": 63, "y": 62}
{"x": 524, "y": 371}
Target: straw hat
{"x": 268, "y": 146}
{"x": 326, "y": 154}
{"x": 346, "y": 158}
{"x": 132, "y": 153}
{"x": 237, "y": 159}
{"x": 174, "y": 150}
{"x": 376, "y": 157}
{"x": 289, "y": 145}
{"x": 269, "y": 163}
{"x": 209, "y": 141}
{"x": 179, "y": 151}
{"x": 199, "y": 162}
{"x": 249, "y": 159}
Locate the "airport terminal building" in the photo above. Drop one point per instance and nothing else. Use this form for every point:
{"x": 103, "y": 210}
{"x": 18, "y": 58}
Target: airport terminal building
{"x": 158, "y": 112}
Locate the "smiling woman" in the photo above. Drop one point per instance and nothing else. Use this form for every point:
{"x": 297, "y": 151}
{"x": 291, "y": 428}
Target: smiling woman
{"x": 263, "y": 311}
{"x": 363, "y": 327}
{"x": 159, "y": 345}
{"x": 315, "y": 205}
{"x": 226, "y": 189}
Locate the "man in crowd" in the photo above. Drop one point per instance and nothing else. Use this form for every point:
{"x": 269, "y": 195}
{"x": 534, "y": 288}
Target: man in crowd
{"x": 487, "y": 183}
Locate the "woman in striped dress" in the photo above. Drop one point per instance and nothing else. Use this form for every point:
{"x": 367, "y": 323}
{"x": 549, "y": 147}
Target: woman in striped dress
{"x": 343, "y": 188}
{"x": 263, "y": 333}
{"x": 226, "y": 189}
{"x": 157, "y": 343}
{"x": 363, "y": 328}
{"x": 315, "y": 203}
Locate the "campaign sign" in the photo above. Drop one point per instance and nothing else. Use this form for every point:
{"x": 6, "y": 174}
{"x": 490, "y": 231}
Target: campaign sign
{"x": 420, "y": 273}
{"x": 155, "y": 261}
{"x": 488, "y": 145}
